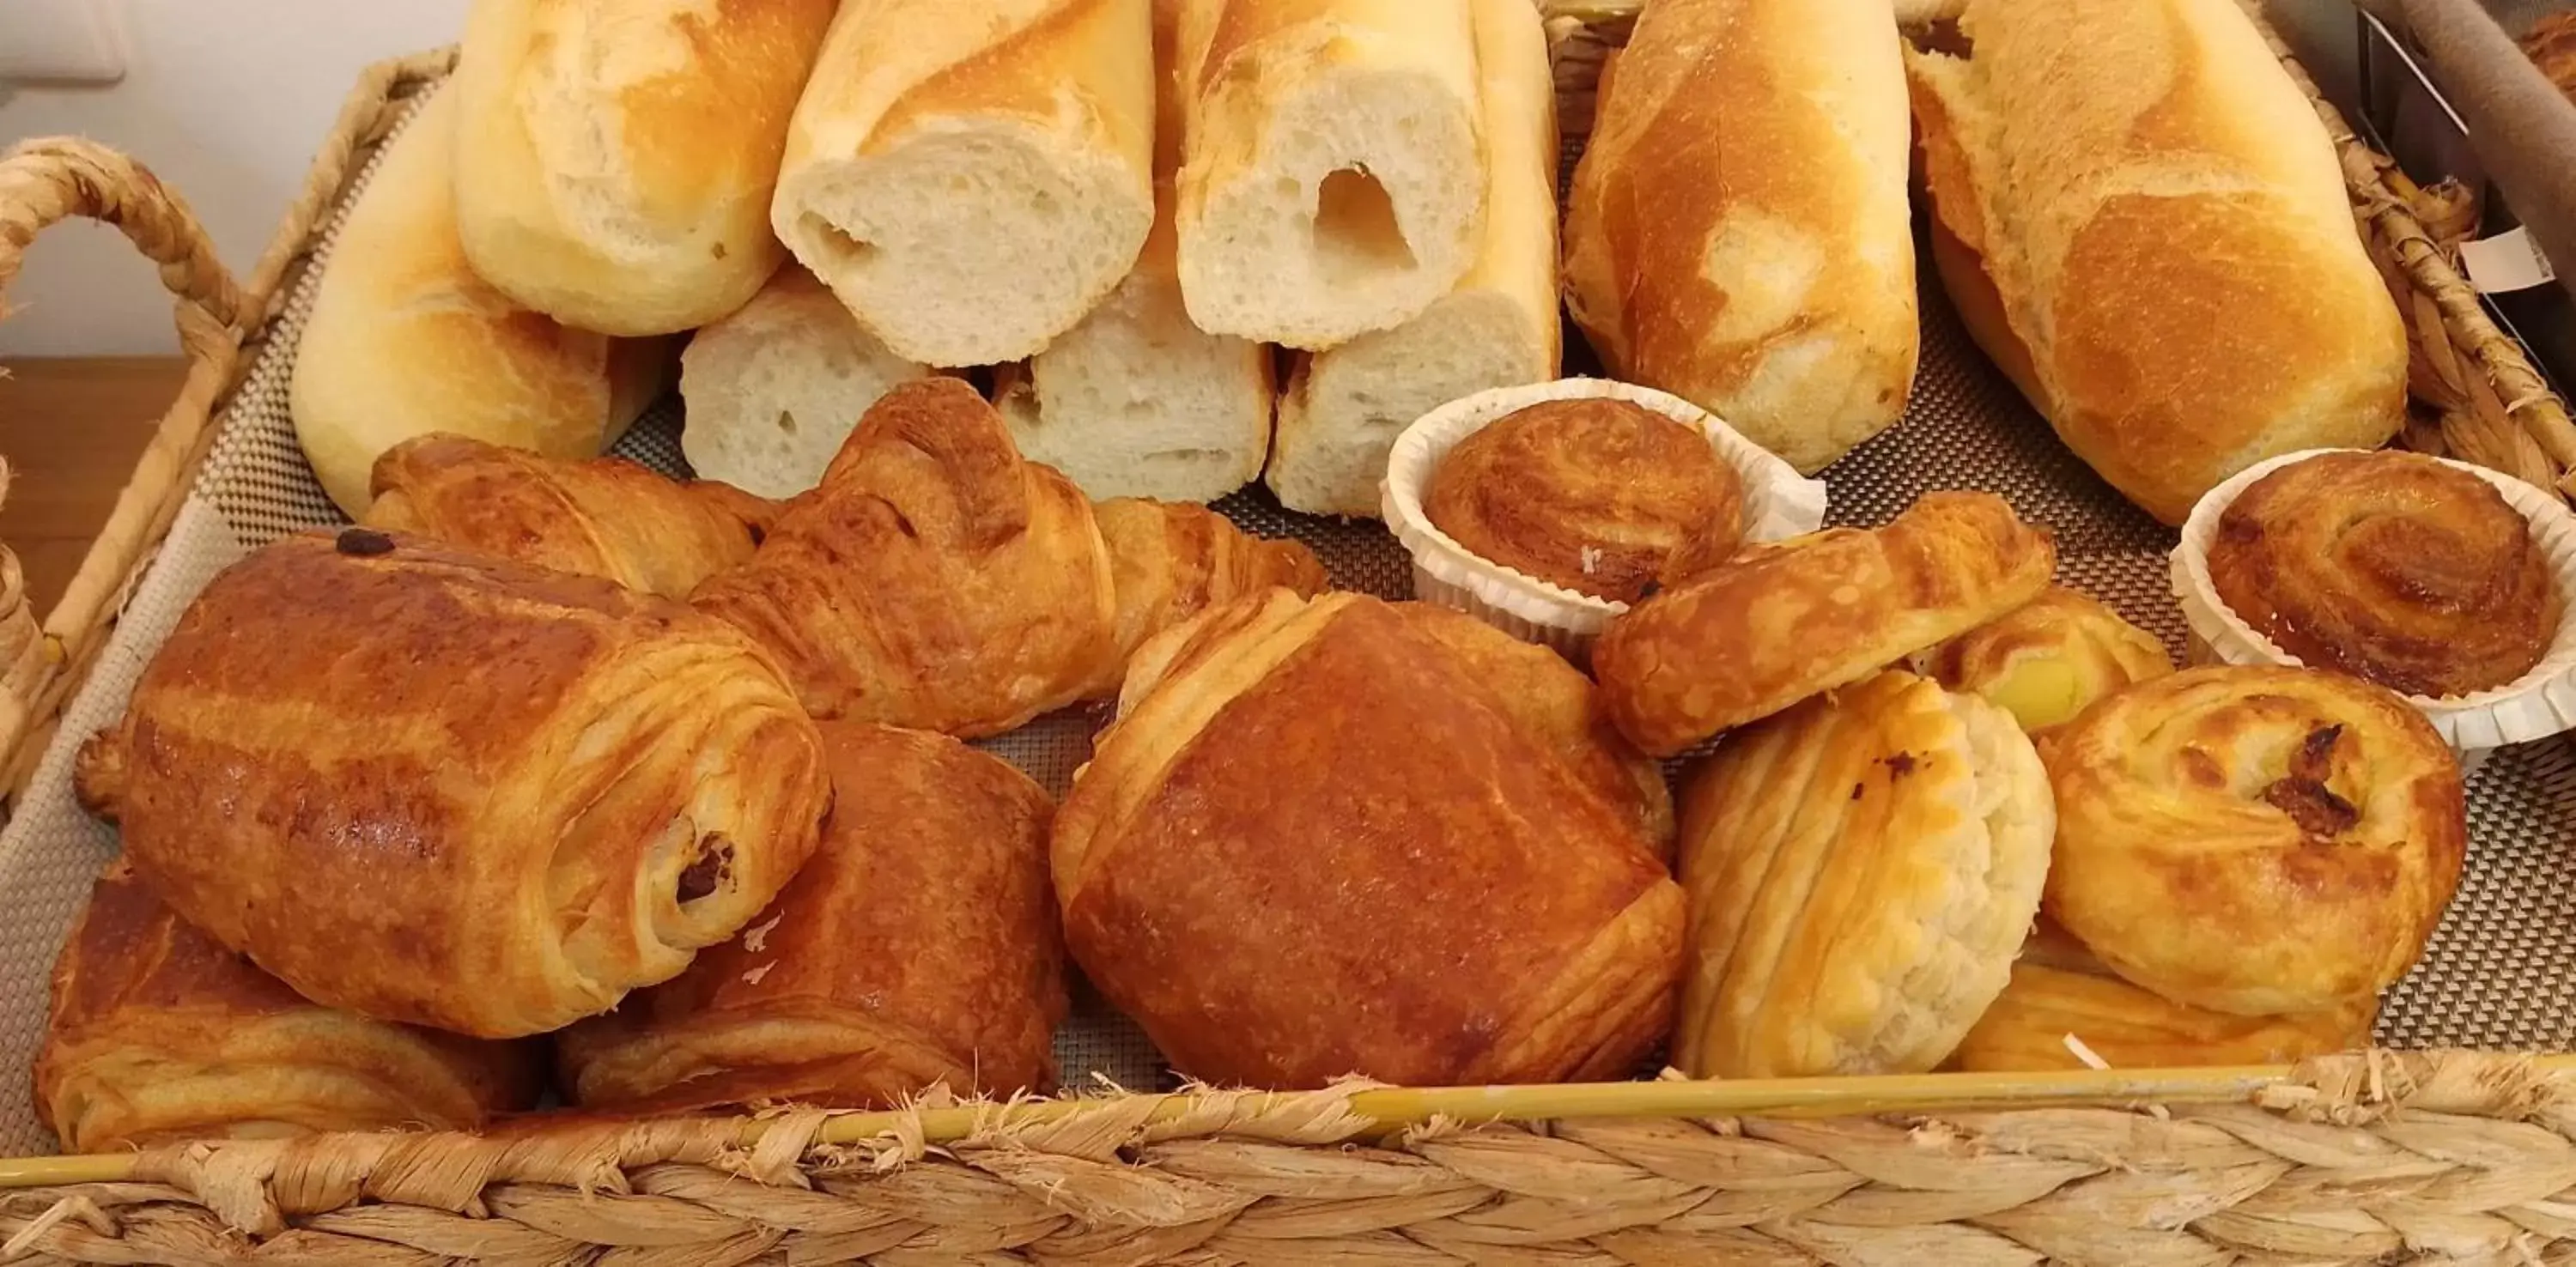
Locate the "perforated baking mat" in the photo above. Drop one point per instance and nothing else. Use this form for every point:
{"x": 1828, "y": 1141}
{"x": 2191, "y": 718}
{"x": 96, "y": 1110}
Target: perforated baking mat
{"x": 2501, "y": 971}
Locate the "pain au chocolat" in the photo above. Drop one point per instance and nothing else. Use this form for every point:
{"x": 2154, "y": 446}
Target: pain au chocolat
{"x": 1336, "y": 835}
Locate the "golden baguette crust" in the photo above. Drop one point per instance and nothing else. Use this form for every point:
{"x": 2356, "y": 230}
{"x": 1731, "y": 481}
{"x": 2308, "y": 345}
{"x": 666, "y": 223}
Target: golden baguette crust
{"x": 158, "y": 1034}
{"x": 1861, "y": 870}
{"x": 1337, "y": 835}
{"x": 1172, "y": 561}
{"x": 918, "y": 947}
{"x": 440, "y": 788}
{"x": 2143, "y": 221}
{"x": 2129, "y": 1028}
{"x": 607, "y": 517}
{"x": 615, "y": 158}
{"x": 1739, "y": 232}
{"x": 2050, "y": 658}
{"x": 2254, "y": 839}
{"x": 1785, "y": 620}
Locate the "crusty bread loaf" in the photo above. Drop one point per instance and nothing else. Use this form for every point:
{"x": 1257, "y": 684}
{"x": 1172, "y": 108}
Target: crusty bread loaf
{"x": 1497, "y": 328}
{"x": 774, "y": 387}
{"x": 971, "y": 176}
{"x": 1739, "y": 233}
{"x": 1137, "y": 401}
{"x": 404, "y": 339}
{"x": 2141, "y": 219}
{"x": 614, "y": 161}
{"x": 1335, "y": 178}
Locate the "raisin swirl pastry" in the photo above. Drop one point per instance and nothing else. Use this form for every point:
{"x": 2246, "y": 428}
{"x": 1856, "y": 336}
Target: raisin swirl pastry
{"x": 2254, "y": 839}
{"x": 2391, "y": 567}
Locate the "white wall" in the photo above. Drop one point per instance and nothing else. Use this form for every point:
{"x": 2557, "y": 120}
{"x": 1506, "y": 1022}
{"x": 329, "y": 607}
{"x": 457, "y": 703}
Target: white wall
{"x": 225, "y": 100}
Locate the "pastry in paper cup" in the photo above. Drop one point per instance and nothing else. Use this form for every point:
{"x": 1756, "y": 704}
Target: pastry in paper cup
{"x": 2538, "y": 703}
{"x": 1777, "y": 503}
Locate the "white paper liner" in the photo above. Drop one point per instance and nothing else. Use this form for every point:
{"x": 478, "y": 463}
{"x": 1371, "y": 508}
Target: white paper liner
{"x": 1778, "y": 503}
{"x": 2536, "y": 705}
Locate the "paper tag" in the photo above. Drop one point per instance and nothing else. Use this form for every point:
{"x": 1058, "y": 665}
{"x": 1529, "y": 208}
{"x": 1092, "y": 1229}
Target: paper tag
{"x": 2507, "y": 261}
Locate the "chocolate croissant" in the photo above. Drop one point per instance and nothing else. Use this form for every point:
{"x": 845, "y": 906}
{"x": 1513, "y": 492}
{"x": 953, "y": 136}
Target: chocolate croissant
{"x": 918, "y": 947}
{"x": 451, "y": 790}
{"x": 157, "y": 1034}
{"x": 606, "y": 517}
{"x": 1172, "y": 561}
{"x": 933, "y": 580}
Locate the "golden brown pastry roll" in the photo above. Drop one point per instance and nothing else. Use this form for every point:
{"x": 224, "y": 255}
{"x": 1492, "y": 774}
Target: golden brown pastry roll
{"x": 1172, "y": 561}
{"x": 2254, "y": 839}
{"x": 1783, "y": 621}
{"x": 2130, "y": 1028}
{"x": 159, "y": 1034}
{"x": 2047, "y": 660}
{"x": 452, "y": 790}
{"x": 2391, "y": 567}
{"x": 1599, "y": 496}
{"x": 933, "y": 580}
{"x": 918, "y": 947}
{"x": 1320, "y": 841}
{"x": 606, "y": 517}
{"x": 1861, "y": 870}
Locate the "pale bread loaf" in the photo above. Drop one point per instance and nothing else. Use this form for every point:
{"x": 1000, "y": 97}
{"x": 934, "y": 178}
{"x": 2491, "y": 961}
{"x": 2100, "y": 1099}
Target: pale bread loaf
{"x": 1739, "y": 233}
{"x": 775, "y": 386}
{"x": 1335, "y": 179}
{"x": 1499, "y": 327}
{"x": 614, "y": 160}
{"x": 1137, "y": 401}
{"x": 972, "y": 176}
{"x": 404, "y": 339}
{"x": 2141, "y": 219}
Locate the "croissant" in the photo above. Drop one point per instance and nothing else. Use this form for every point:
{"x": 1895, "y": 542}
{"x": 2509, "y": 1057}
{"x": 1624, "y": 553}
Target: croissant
{"x": 933, "y": 580}
{"x": 1172, "y": 561}
{"x": 606, "y": 517}
{"x": 918, "y": 947}
{"x": 157, "y": 1033}
{"x": 446, "y": 789}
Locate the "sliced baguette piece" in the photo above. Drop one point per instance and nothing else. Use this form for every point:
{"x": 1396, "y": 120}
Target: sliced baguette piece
{"x": 972, "y": 176}
{"x": 1335, "y": 178}
{"x": 1137, "y": 401}
{"x": 1498, "y": 328}
{"x": 774, "y": 387}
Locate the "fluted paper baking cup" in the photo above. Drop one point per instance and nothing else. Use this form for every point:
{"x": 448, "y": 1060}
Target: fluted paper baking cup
{"x": 1778, "y": 503}
{"x": 2536, "y": 705}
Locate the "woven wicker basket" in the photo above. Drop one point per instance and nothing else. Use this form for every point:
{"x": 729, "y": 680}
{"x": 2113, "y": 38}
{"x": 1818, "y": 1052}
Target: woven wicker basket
{"x": 2377, "y": 1157}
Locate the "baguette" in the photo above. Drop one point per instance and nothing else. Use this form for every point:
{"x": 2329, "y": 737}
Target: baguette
{"x": 614, "y": 161}
{"x": 405, "y": 339}
{"x": 774, "y": 387}
{"x": 1335, "y": 177}
{"x": 972, "y": 176}
{"x": 1137, "y": 401}
{"x": 1499, "y": 327}
{"x": 2141, "y": 219}
{"x": 1739, "y": 233}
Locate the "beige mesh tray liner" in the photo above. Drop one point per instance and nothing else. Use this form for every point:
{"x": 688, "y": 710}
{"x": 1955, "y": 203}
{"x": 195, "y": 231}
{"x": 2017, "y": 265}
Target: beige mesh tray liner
{"x": 2501, "y": 972}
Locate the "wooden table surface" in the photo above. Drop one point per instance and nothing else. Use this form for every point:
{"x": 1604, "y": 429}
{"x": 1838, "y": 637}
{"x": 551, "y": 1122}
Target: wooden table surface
{"x": 72, "y": 430}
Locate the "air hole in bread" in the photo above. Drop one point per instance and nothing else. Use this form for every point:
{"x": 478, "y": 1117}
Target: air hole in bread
{"x": 834, "y": 242}
{"x": 786, "y": 423}
{"x": 1187, "y": 455}
{"x": 1355, "y": 230}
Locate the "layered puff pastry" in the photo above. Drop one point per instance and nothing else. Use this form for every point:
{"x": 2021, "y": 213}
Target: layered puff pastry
{"x": 450, "y": 790}
{"x": 933, "y": 580}
{"x": 918, "y": 948}
{"x": 2392, "y": 567}
{"x": 2125, "y": 1027}
{"x": 606, "y": 517}
{"x": 1861, "y": 870}
{"x": 1336, "y": 835}
{"x": 1603, "y": 497}
{"x": 1783, "y": 621}
{"x": 1171, "y": 561}
{"x": 159, "y": 1034}
{"x": 2254, "y": 839}
{"x": 2049, "y": 659}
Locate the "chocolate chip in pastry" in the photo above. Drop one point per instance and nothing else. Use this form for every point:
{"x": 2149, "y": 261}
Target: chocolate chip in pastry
{"x": 2254, "y": 839}
{"x": 2046, "y": 660}
{"x": 2392, "y": 567}
{"x": 1600, "y": 496}
{"x": 1861, "y": 870}
{"x": 1785, "y": 620}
